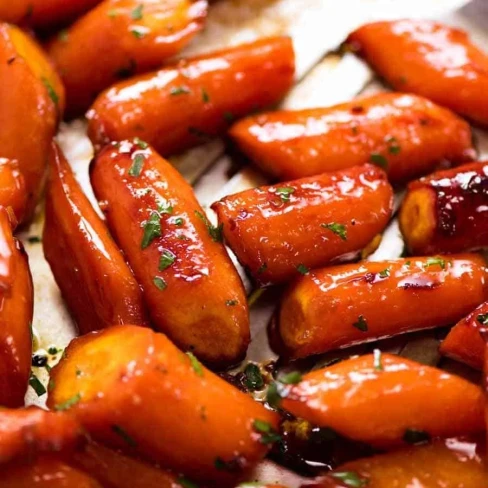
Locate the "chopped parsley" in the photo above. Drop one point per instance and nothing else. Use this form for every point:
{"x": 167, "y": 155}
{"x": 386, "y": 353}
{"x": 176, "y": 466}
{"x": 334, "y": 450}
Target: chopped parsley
{"x": 50, "y": 90}
{"x": 302, "y": 269}
{"x": 136, "y": 167}
{"x": 136, "y": 14}
{"x": 186, "y": 483}
{"x": 231, "y": 303}
{"x": 152, "y": 226}
{"x": 159, "y": 283}
{"x": 33, "y": 239}
{"x": 140, "y": 143}
{"x": 124, "y": 435}
{"x": 205, "y": 97}
{"x": 53, "y": 350}
{"x": 195, "y": 364}
{"x": 137, "y": 33}
{"x": 415, "y": 436}
{"x": 361, "y": 324}
{"x": 214, "y": 232}
{"x": 262, "y": 268}
{"x": 338, "y": 229}
{"x": 379, "y": 160}
{"x": 37, "y": 386}
{"x": 291, "y": 378}
{"x": 435, "y": 261}
{"x": 253, "y": 377}
{"x": 384, "y": 273}
{"x": 482, "y": 319}
{"x": 68, "y": 403}
{"x": 179, "y": 221}
{"x": 179, "y": 90}
{"x": 378, "y": 364}
{"x": 284, "y": 193}
{"x": 351, "y": 479}
{"x": 166, "y": 260}
{"x": 393, "y": 147}
{"x": 268, "y": 434}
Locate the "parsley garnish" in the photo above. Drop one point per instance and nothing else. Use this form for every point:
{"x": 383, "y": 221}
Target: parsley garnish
{"x": 136, "y": 167}
{"x": 122, "y": 433}
{"x": 50, "y": 90}
{"x": 140, "y": 143}
{"x": 205, "y": 96}
{"x": 214, "y": 232}
{"x": 379, "y": 160}
{"x": 152, "y": 226}
{"x": 231, "y": 303}
{"x": 195, "y": 364}
{"x": 435, "y": 261}
{"x": 302, "y": 269}
{"x": 179, "y": 90}
{"x": 254, "y": 379}
{"x": 415, "y": 436}
{"x": 351, "y": 479}
{"x": 482, "y": 319}
{"x": 53, "y": 350}
{"x": 166, "y": 260}
{"x": 361, "y": 324}
{"x": 284, "y": 193}
{"x": 262, "y": 268}
{"x": 291, "y": 378}
{"x": 268, "y": 434}
{"x": 186, "y": 483}
{"x": 179, "y": 221}
{"x": 68, "y": 403}
{"x": 393, "y": 147}
{"x": 385, "y": 273}
{"x": 34, "y": 239}
{"x": 159, "y": 283}
{"x": 337, "y": 229}
{"x": 137, "y": 33}
{"x": 136, "y": 14}
{"x": 378, "y": 365}
{"x": 36, "y": 385}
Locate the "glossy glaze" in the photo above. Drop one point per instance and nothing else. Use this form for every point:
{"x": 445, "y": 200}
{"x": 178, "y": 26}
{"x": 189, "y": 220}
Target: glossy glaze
{"x": 86, "y": 263}
{"x": 28, "y": 432}
{"x": 197, "y": 97}
{"x": 12, "y": 188}
{"x": 377, "y": 400}
{"x": 430, "y": 59}
{"x": 16, "y": 310}
{"x": 45, "y": 473}
{"x": 452, "y": 463}
{"x": 28, "y": 112}
{"x": 203, "y": 306}
{"x": 134, "y": 40}
{"x": 322, "y": 311}
{"x": 408, "y": 135}
{"x": 126, "y": 368}
{"x": 279, "y": 231}
{"x": 43, "y": 13}
{"x": 464, "y": 342}
{"x": 447, "y": 211}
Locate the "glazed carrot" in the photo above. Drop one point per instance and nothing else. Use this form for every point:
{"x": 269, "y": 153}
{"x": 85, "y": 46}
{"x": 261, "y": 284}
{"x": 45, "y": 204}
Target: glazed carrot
{"x": 15, "y": 317}
{"x": 87, "y": 265}
{"x": 188, "y": 419}
{"x": 344, "y": 305}
{"x": 12, "y": 187}
{"x": 278, "y": 232}
{"x": 27, "y": 432}
{"x": 31, "y": 99}
{"x": 116, "y": 470}
{"x": 197, "y": 97}
{"x": 447, "y": 211}
{"x": 45, "y": 473}
{"x": 430, "y": 59}
{"x": 136, "y": 35}
{"x": 464, "y": 341}
{"x": 407, "y": 135}
{"x": 449, "y": 464}
{"x": 385, "y": 400}
{"x": 44, "y": 13}
{"x": 192, "y": 290}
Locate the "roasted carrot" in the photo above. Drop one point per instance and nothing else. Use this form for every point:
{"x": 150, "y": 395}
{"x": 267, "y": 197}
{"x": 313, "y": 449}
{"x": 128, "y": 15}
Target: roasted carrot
{"x": 464, "y": 341}
{"x": 193, "y": 292}
{"x": 180, "y": 423}
{"x": 12, "y": 188}
{"x": 44, "y": 13}
{"x": 45, "y": 473}
{"x": 31, "y": 99}
{"x": 384, "y": 400}
{"x": 407, "y": 135}
{"x": 28, "y": 432}
{"x": 16, "y": 312}
{"x": 87, "y": 265}
{"x": 430, "y": 59}
{"x": 280, "y": 231}
{"x": 452, "y": 463}
{"x": 348, "y": 304}
{"x": 197, "y": 97}
{"x": 447, "y": 211}
{"x": 136, "y": 35}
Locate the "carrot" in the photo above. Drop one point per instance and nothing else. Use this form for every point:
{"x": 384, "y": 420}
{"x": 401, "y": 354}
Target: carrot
{"x": 136, "y": 35}
{"x": 197, "y": 96}
{"x": 110, "y": 375}
{"x": 344, "y": 305}
{"x": 430, "y": 59}
{"x": 192, "y": 290}
{"x": 12, "y": 188}
{"x": 87, "y": 265}
{"x": 385, "y": 400}
{"x": 445, "y": 212}
{"x": 407, "y": 135}
{"x": 280, "y": 231}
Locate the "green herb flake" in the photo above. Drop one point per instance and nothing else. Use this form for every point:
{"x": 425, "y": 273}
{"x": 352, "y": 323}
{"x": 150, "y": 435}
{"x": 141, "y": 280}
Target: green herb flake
{"x": 137, "y": 33}
{"x": 415, "y": 436}
{"x": 68, "y": 403}
{"x": 166, "y": 260}
{"x": 262, "y": 268}
{"x": 195, "y": 364}
{"x": 268, "y": 434}
{"x": 436, "y": 261}
{"x": 136, "y": 167}
{"x": 231, "y": 303}
{"x": 205, "y": 97}
{"x": 186, "y": 483}
{"x": 51, "y": 385}
{"x": 53, "y": 350}
{"x": 124, "y": 435}
{"x": 377, "y": 361}
{"x": 302, "y": 269}
{"x": 408, "y": 264}
{"x": 284, "y": 193}
{"x": 275, "y": 394}
{"x": 37, "y": 386}
{"x": 33, "y": 239}
{"x": 482, "y": 319}
{"x": 393, "y": 146}
{"x": 136, "y": 14}
{"x": 159, "y": 283}
{"x": 214, "y": 232}
{"x": 351, "y": 479}
{"x": 379, "y": 160}
{"x": 79, "y": 372}
{"x": 291, "y": 378}
{"x": 361, "y": 324}
{"x": 152, "y": 227}
{"x": 338, "y": 229}
{"x": 384, "y": 273}
{"x": 179, "y": 221}
{"x": 50, "y": 90}
{"x": 140, "y": 143}
{"x": 253, "y": 377}
{"x": 222, "y": 465}
{"x": 179, "y": 90}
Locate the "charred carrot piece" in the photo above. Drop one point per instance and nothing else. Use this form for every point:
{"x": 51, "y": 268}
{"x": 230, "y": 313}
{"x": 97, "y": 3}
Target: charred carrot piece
{"x": 87, "y": 265}
{"x": 280, "y": 231}
{"x": 31, "y": 100}
{"x": 28, "y": 432}
{"x": 193, "y": 292}
{"x": 344, "y": 305}
{"x": 15, "y": 317}
{"x": 12, "y": 188}
{"x": 430, "y": 59}
{"x": 197, "y": 97}
{"x": 446, "y": 211}
{"x": 106, "y": 374}
{"x": 450, "y": 464}
{"x": 136, "y": 35}
{"x": 464, "y": 341}
{"x": 406, "y": 135}
{"x": 45, "y": 473}
{"x": 385, "y": 400}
